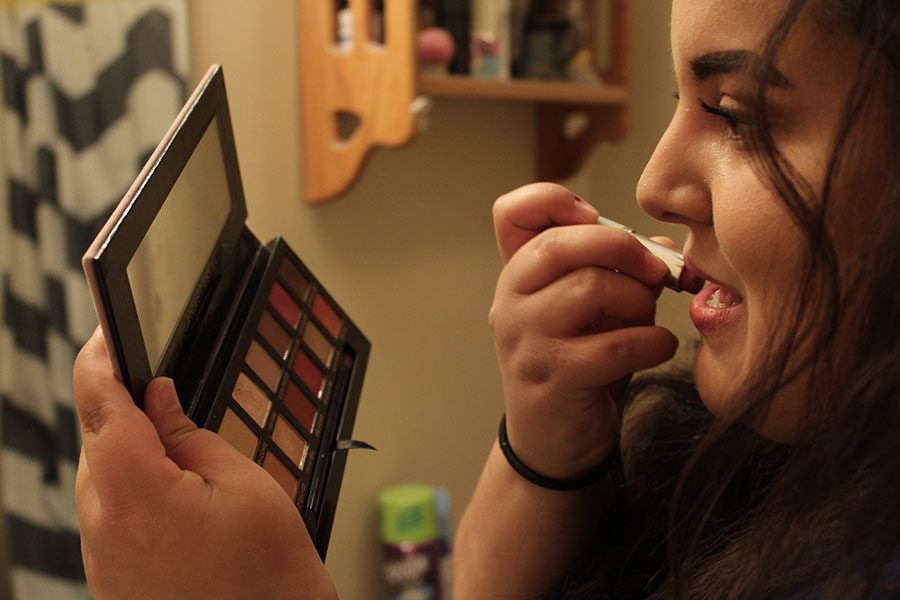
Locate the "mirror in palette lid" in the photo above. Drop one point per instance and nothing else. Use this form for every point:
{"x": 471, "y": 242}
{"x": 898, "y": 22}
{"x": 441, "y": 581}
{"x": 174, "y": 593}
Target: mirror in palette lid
{"x": 259, "y": 350}
{"x": 169, "y": 261}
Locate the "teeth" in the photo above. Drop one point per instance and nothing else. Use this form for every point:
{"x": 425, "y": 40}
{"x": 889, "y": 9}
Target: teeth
{"x": 714, "y": 302}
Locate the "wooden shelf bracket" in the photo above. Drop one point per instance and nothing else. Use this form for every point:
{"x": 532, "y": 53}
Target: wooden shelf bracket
{"x": 562, "y": 149}
{"x": 358, "y": 88}
{"x": 355, "y": 93}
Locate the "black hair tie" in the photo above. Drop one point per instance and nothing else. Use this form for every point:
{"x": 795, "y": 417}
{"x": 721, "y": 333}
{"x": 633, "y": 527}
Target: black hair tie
{"x": 564, "y": 485}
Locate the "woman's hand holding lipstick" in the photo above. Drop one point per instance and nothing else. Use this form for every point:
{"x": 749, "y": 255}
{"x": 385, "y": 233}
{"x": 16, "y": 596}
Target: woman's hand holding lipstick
{"x": 679, "y": 278}
{"x": 573, "y": 318}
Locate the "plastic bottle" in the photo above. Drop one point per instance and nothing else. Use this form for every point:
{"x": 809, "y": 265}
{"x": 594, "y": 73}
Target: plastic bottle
{"x": 411, "y": 541}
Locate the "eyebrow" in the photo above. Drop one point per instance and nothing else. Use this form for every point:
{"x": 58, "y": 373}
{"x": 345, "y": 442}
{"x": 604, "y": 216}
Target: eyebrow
{"x": 732, "y": 61}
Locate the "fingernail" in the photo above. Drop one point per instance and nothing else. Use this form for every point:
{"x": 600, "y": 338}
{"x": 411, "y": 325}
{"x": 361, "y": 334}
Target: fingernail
{"x": 168, "y": 397}
{"x": 586, "y": 209}
{"x": 656, "y": 267}
{"x": 100, "y": 341}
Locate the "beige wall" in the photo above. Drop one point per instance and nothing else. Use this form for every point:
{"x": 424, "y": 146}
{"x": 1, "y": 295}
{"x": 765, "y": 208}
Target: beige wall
{"x": 409, "y": 251}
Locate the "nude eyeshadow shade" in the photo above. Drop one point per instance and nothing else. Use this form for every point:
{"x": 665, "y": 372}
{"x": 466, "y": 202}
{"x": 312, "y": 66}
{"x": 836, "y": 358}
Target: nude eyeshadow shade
{"x": 252, "y": 399}
{"x": 236, "y": 431}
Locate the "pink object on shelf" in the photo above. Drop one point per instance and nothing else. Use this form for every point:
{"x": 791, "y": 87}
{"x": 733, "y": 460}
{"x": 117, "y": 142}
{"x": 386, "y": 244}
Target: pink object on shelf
{"x": 434, "y": 46}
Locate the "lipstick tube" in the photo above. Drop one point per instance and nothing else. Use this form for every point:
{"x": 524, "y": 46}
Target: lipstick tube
{"x": 678, "y": 278}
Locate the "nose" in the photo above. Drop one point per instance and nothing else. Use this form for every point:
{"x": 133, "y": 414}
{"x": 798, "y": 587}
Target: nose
{"x": 674, "y": 186}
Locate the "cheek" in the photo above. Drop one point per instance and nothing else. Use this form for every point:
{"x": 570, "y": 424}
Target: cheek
{"x": 762, "y": 244}
{"x": 771, "y": 268}
{"x": 764, "y": 250}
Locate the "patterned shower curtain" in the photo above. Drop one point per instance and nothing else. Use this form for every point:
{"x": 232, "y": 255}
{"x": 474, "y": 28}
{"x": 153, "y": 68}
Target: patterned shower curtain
{"x": 88, "y": 89}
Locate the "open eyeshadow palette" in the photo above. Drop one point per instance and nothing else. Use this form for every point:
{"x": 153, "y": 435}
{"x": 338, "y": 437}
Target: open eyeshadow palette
{"x": 259, "y": 351}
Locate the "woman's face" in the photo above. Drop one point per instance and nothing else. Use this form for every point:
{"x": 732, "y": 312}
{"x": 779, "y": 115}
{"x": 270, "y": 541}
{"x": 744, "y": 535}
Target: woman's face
{"x": 703, "y": 175}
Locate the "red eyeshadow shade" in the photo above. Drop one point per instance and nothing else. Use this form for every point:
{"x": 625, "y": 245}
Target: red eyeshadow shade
{"x": 329, "y": 317}
{"x": 285, "y": 306}
{"x": 309, "y": 373}
{"x": 300, "y": 406}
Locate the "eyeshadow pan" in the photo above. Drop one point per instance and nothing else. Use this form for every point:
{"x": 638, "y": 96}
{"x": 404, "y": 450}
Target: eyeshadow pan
{"x": 309, "y": 372}
{"x": 294, "y": 278}
{"x": 263, "y": 365}
{"x": 289, "y": 440}
{"x": 275, "y": 334}
{"x": 299, "y": 405}
{"x": 252, "y": 399}
{"x": 284, "y": 304}
{"x": 325, "y": 312}
{"x": 281, "y": 473}
{"x": 236, "y": 433}
{"x": 318, "y": 343}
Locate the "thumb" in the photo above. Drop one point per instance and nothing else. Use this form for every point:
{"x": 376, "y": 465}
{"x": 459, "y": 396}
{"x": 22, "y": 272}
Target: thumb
{"x": 186, "y": 444}
{"x": 665, "y": 241}
{"x": 176, "y": 431}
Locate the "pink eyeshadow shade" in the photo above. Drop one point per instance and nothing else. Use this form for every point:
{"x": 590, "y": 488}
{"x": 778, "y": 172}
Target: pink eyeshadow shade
{"x": 299, "y": 405}
{"x": 284, "y": 304}
{"x": 309, "y": 372}
{"x": 325, "y": 312}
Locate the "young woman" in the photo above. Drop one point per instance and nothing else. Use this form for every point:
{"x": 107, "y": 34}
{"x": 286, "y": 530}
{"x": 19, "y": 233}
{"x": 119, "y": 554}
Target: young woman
{"x": 768, "y": 471}
{"x": 773, "y": 469}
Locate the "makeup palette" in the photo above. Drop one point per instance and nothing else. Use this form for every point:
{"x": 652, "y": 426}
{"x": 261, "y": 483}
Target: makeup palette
{"x": 258, "y": 349}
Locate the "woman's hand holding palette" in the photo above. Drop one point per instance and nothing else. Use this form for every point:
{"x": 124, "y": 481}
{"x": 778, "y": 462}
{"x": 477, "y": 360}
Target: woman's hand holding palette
{"x": 258, "y": 349}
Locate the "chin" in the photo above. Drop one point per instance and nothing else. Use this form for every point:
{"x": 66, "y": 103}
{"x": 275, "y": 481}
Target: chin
{"x": 713, "y": 387}
{"x": 718, "y": 385}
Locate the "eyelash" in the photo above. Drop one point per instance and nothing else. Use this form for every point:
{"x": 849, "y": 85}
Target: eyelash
{"x": 735, "y": 121}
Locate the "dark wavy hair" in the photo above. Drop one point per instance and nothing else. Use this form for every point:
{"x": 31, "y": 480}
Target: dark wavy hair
{"x": 711, "y": 509}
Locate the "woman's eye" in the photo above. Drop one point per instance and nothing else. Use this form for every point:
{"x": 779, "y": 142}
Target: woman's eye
{"x": 738, "y": 123}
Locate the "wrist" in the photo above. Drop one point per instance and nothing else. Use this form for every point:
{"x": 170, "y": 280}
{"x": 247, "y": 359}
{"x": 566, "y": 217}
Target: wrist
{"x": 609, "y": 467}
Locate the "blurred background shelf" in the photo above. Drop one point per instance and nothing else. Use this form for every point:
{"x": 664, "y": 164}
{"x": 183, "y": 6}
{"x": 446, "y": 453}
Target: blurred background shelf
{"x": 373, "y": 83}
{"x": 462, "y": 86}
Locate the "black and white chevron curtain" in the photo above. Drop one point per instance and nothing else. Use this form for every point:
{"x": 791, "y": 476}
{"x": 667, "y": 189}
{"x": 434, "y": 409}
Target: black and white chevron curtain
{"x": 88, "y": 89}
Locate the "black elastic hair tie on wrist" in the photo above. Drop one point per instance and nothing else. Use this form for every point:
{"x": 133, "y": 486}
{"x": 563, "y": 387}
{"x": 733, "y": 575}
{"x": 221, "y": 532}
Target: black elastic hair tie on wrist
{"x": 564, "y": 485}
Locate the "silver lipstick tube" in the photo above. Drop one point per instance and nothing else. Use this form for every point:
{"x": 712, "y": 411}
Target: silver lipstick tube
{"x": 678, "y": 278}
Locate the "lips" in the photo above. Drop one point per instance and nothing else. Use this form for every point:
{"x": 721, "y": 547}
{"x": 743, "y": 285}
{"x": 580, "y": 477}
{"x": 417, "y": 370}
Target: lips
{"x": 716, "y": 307}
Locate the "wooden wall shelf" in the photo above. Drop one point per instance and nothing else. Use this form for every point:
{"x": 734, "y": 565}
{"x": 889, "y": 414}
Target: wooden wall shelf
{"x": 376, "y": 83}
{"x": 457, "y": 86}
